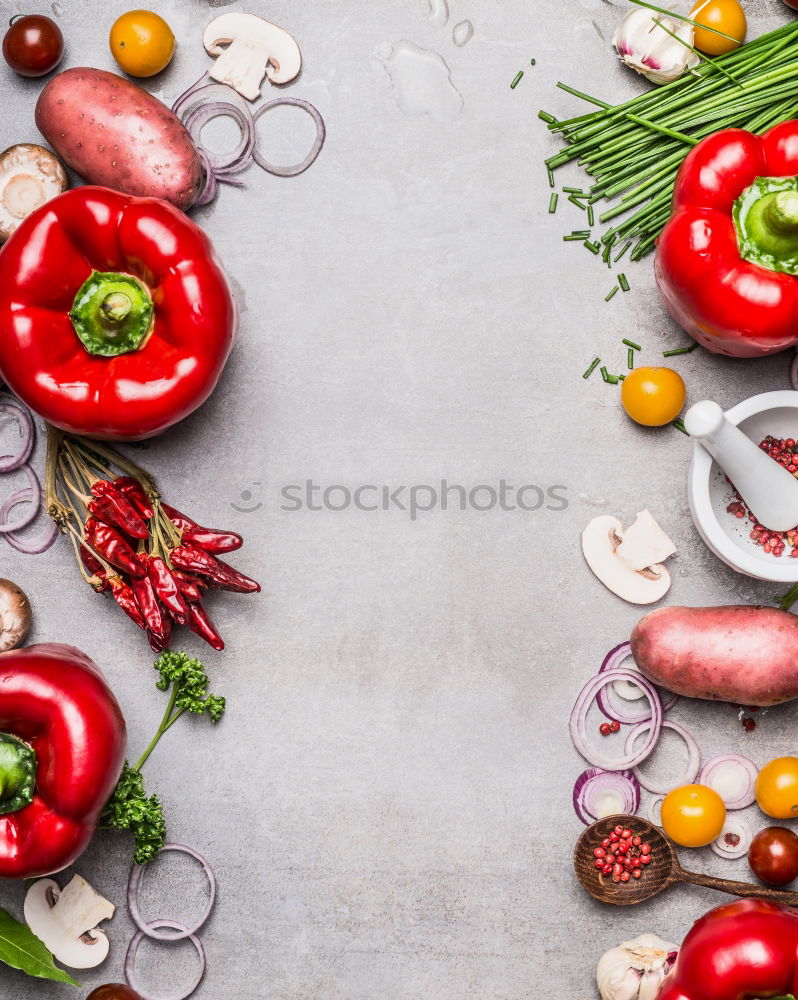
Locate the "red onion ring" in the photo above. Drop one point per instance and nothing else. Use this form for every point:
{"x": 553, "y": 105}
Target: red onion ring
{"x": 8, "y": 463}
{"x": 579, "y": 714}
{"x": 315, "y": 149}
{"x": 132, "y": 950}
{"x": 693, "y": 760}
{"x": 12, "y": 537}
{"x": 592, "y": 782}
{"x": 737, "y": 826}
{"x": 613, "y": 705}
{"x": 33, "y": 493}
{"x": 134, "y": 888}
{"x": 747, "y": 797}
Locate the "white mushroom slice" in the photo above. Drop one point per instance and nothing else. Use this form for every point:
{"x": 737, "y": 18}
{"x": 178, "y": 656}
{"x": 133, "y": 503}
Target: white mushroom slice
{"x": 30, "y": 175}
{"x": 15, "y": 616}
{"x": 645, "y": 543}
{"x": 255, "y": 48}
{"x": 67, "y": 921}
{"x": 601, "y": 541}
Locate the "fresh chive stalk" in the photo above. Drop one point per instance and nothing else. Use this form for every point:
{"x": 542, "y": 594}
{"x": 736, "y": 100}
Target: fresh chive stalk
{"x": 623, "y": 281}
{"x": 553, "y": 203}
{"x": 630, "y": 359}
{"x": 679, "y": 350}
{"x": 611, "y": 293}
{"x": 516, "y": 80}
{"x": 630, "y": 343}
{"x": 593, "y": 364}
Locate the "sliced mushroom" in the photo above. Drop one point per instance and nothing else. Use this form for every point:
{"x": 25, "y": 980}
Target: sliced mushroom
{"x": 628, "y": 562}
{"x": 67, "y": 921}
{"x": 30, "y": 175}
{"x": 255, "y": 48}
{"x": 15, "y": 616}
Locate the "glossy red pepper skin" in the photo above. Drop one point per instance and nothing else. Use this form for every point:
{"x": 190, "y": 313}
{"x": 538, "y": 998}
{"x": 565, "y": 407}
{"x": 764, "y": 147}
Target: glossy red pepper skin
{"x": 123, "y": 594}
{"x": 167, "y": 589}
{"x": 196, "y": 560}
{"x": 745, "y": 950}
{"x": 111, "y": 506}
{"x": 108, "y": 543}
{"x": 201, "y": 625}
{"x": 134, "y": 491}
{"x": 191, "y": 587}
{"x": 156, "y": 620}
{"x": 55, "y": 699}
{"x": 728, "y": 304}
{"x": 212, "y": 540}
{"x": 134, "y": 395}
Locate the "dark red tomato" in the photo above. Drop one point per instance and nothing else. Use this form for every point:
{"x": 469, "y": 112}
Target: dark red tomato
{"x": 773, "y": 855}
{"x": 113, "y": 991}
{"x": 792, "y": 3}
{"x": 33, "y": 45}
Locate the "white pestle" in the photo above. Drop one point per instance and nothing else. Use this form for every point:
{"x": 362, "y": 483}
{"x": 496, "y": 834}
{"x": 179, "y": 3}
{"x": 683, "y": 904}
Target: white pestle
{"x": 770, "y": 491}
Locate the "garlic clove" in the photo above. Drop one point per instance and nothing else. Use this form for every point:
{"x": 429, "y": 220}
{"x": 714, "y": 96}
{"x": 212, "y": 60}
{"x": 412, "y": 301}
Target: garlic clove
{"x": 649, "y": 50}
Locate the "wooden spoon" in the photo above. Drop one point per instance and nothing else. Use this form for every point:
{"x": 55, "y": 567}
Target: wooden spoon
{"x": 663, "y": 871}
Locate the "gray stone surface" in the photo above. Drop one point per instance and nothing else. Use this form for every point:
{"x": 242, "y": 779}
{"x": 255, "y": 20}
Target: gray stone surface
{"x": 387, "y": 802}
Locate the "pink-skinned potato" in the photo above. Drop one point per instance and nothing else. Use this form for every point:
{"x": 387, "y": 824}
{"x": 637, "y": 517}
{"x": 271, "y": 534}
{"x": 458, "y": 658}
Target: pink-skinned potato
{"x": 113, "y": 133}
{"x": 744, "y": 654}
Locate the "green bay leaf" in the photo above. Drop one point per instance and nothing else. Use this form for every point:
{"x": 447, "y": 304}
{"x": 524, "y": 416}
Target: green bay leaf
{"x": 21, "y": 949}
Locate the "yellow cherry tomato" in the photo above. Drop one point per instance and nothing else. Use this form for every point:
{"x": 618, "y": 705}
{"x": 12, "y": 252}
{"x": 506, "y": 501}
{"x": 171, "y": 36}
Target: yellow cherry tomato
{"x": 722, "y": 15}
{"x": 693, "y": 815}
{"x": 653, "y": 396}
{"x": 777, "y": 788}
{"x": 142, "y": 42}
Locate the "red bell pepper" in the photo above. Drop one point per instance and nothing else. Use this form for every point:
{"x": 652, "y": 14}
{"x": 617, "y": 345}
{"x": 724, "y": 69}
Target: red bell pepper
{"x": 743, "y": 951}
{"x": 727, "y": 261}
{"x": 116, "y": 319}
{"x": 62, "y": 746}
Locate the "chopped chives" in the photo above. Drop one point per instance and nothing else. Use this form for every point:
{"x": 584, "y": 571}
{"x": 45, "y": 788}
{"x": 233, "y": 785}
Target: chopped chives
{"x": 622, "y": 251}
{"x": 623, "y": 281}
{"x": 584, "y": 233}
{"x": 517, "y": 80}
{"x": 613, "y": 379}
{"x": 575, "y": 201}
{"x": 678, "y": 423}
{"x": 592, "y": 368}
{"x": 621, "y": 378}
{"x": 577, "y": 191}
{"x": 590, "y": 218}
{"x": 593, "y": 247}
{"x": 533, "y": 62}
{"x": 611, "y": 294}
{"x": 553, "y": 203}
{"x": 550, "y": 172}
{"x": 574, "y": 238}
{"x": 679, "y": 350}
{"x": 630, "y": 359}
{"x": 606, "y": 254}
{"x": 631, "y": 343}
{"x": 544, "y": 116}
{"x": 604, "y": 373}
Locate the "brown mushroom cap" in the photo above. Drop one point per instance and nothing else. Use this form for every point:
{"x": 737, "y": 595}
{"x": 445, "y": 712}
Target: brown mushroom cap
{"x": 15, "y": 616}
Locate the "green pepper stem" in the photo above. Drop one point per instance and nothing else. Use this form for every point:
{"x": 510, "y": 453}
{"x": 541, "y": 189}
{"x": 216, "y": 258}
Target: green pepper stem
{"x": 782, "y": 212}
{"x": 17, "y": 774}
{"x": 116, "y": 306}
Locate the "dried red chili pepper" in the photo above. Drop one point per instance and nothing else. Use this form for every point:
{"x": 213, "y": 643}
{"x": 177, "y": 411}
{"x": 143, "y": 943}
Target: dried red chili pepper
{"x": 134, "y": 491}
{"x": 160, "y": 641}
{"x": 167, "y": 589}
{"x": 94, "y": 569}
{"x": 113, "y": 507}
{"x": 156, "y": 621}
{"x": 196, "y": 560}
{"x": 126, "y": 599}
{"x": 191, "y": 587}
{"x": 201, "y": 625}
{"x": 212, "y": 540}
{"x": 109, "y": 544}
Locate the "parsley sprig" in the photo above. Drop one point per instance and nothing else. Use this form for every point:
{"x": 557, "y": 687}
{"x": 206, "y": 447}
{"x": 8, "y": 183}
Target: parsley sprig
{"x": 130, "y": 808}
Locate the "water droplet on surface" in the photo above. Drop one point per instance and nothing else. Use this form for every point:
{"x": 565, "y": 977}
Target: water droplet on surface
{"x": 421, "y": 81}
{"x": 438, "y": 13}
{"x": 462, "y": 33}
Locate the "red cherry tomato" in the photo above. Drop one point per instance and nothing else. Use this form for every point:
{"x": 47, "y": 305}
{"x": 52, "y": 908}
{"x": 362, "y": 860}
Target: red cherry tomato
{"x": 33, "y": 45}
{"x": 773, "y": 855}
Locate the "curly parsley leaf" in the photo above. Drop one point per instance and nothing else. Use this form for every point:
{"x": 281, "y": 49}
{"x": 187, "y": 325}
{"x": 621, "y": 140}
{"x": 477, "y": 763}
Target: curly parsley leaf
{"x": 130, "y": 808}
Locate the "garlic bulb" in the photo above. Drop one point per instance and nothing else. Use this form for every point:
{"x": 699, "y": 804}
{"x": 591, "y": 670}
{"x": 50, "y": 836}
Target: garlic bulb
{"x": 643, "y": 45}
{"x": 635, "y": 969}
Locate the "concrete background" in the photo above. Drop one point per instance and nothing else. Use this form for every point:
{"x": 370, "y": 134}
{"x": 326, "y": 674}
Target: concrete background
{"x": 388, "y": 801}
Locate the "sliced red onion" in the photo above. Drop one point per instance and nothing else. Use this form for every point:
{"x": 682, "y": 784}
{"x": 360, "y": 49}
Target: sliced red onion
{"x": 8, "y": 463}
{"x": 599, "y": 793}
{"x": 693, "y": 759}
{"x": 654, "y": 812}
{"x": 134, "y": 887}
{"x": 733, "y": 777}
{"x": 579, "y": 712}
{"x": 734, "y": 840}
{"x": 32, "y": 493}
{"x": 34, "y": 548}
{"x": 614, "y": 700}
{"x": 133, "y": 947}
{"x": 315, "y": 149}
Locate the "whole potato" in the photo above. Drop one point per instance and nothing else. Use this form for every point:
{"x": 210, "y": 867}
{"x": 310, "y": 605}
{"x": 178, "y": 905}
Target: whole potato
{"x": 113, "y": 133}
{"x": 743, "y": 654}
